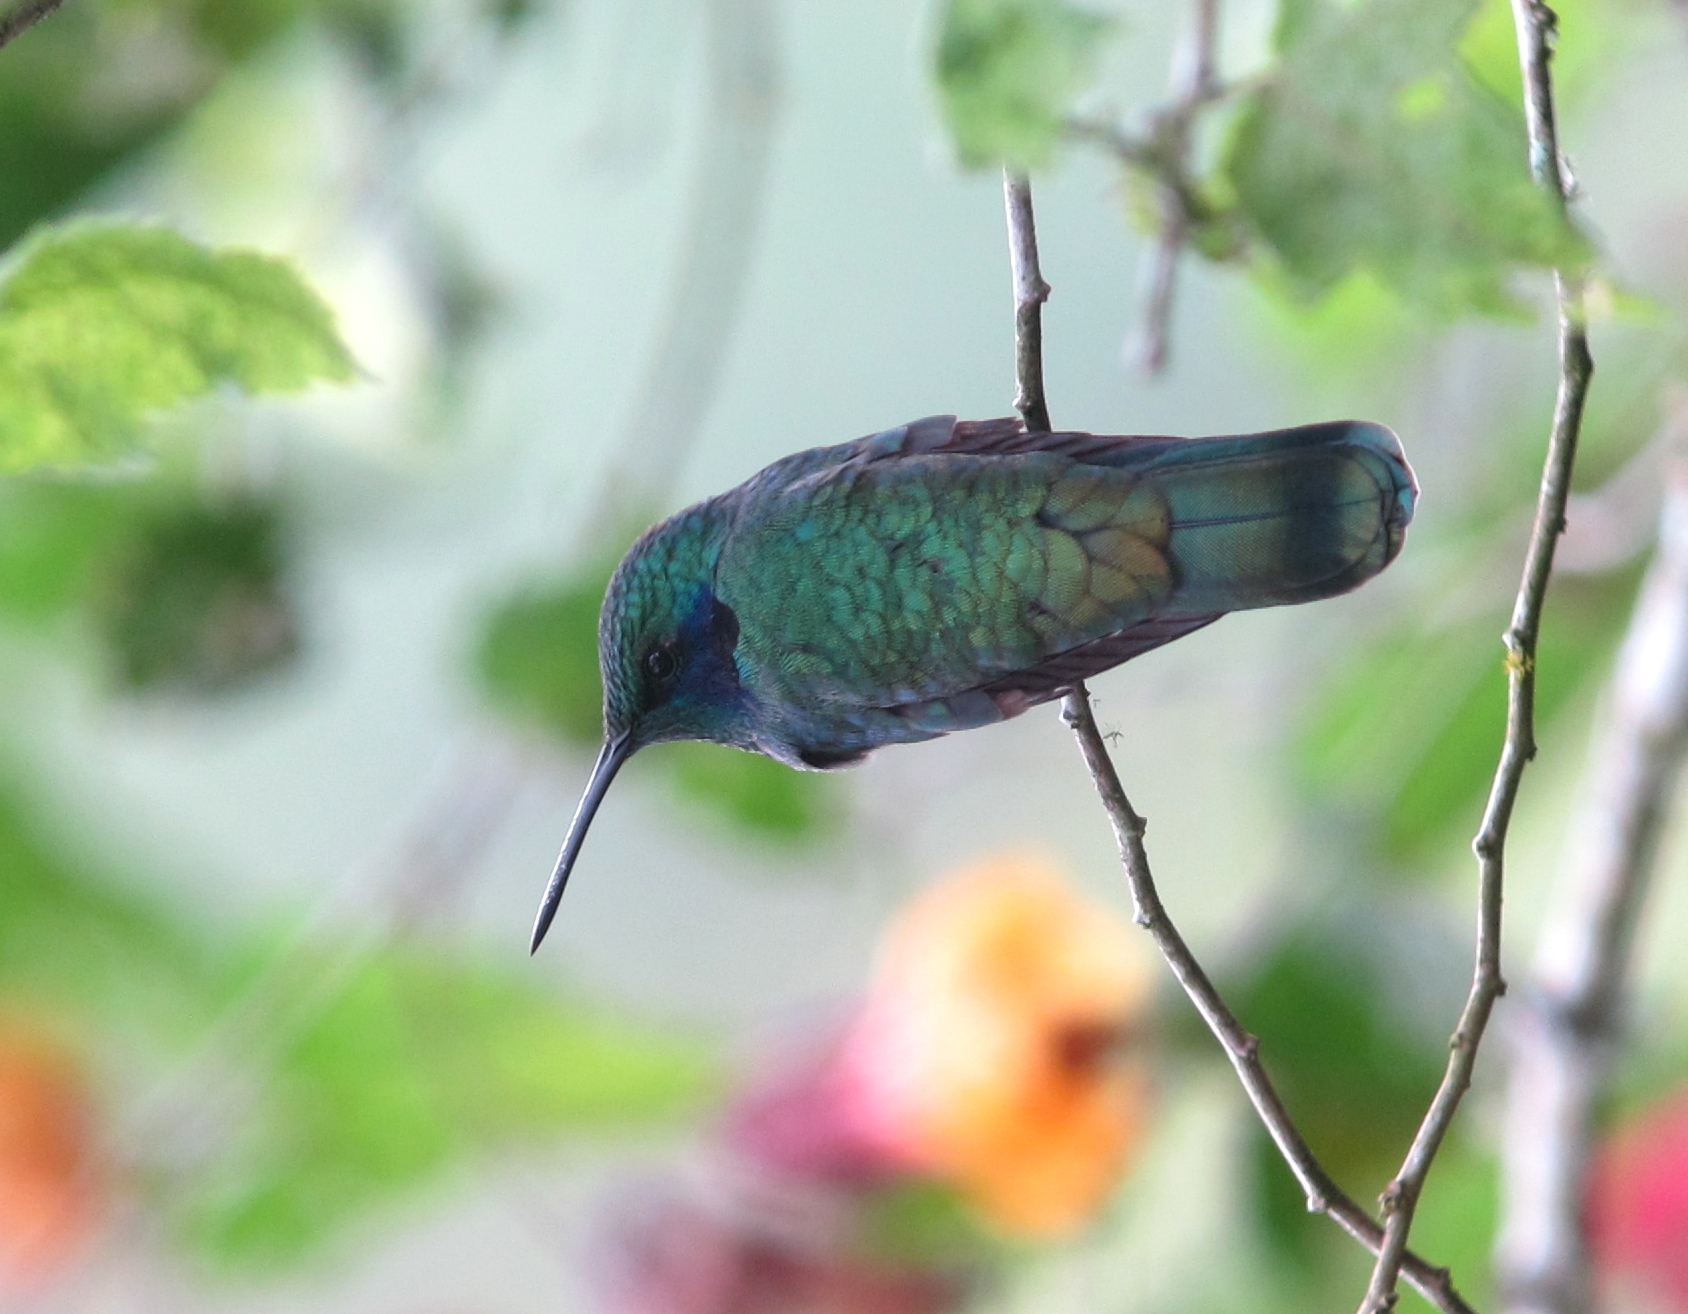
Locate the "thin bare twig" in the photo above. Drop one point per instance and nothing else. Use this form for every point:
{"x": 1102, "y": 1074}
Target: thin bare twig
{"x": 23, "y": 16}
{"x": 1162, "y": 154}
{"x": 1566, "y": 1036}
{"x": 1195, "y": 83}
{"x": 1030, "y": 292}
{"x": 717, "y": 247}
{"x": 1241, "y": 1048}
{"x": 1323, "y": 1195}
{"x": 1535, "y": 24}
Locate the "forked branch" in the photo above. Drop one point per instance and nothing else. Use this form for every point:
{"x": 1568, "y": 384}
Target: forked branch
{"x": 1243, "y": 1049}
{"x": 1535, "y": 24}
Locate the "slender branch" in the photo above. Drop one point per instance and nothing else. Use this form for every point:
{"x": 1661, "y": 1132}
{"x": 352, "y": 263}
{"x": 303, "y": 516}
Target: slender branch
{"x": 1241, "y": 1048}
{"x": 1535, "y": 24}
{"x": 1566, "y": 1038}
{"x": 1194, "y": 85}
{"x": 1030, "y": 292}
{"x": 23, "y": 16}
{"x": 1323, "y": 1195}
{"x": 1162, "y": 154}
{"x": 718, "y": 245}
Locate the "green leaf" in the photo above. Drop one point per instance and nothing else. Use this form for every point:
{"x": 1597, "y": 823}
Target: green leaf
{"x": 417, "y": 1060}
{"x": 538, "y": 656}
{"x": 1407, "y": 743}
{"x": 101, "y": 324}
{"x": 924, "y": 1222}
{"x": 1008, "y": 71}
{"x": 538, "y": 665}
{"x": 137, "y": 966}
{"x": 1456, "y": 1218}
{"x": 1592, "y": 37}
{"x": 197, "y": 598}
{"x": 1351, "y": 1008}
{"x": 1371, "y": 147}
{"x": 66, "y": 122}
{"x": 56, "y": 540}
{"x": 754, "y": 793}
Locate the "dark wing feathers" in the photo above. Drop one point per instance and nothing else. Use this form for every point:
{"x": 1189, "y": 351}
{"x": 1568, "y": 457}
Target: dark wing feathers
{"x": 1054, "y": 675}
{"x": 944, "y": 435}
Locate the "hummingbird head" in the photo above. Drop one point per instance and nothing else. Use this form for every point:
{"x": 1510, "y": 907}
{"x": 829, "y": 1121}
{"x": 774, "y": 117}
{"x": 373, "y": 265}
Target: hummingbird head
{"x": 666, "y": 642}
{"x": 665, "y": 651}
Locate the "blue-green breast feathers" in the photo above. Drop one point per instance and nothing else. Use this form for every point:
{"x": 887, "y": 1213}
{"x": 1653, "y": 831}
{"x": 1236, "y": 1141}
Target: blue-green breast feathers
{"x": 945, "y": 574}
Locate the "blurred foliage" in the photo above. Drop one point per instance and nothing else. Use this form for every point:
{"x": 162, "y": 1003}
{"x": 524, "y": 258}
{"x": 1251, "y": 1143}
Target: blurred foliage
{"x": 365, "y": 1071}
{"x": 922, "y": 1222}
{"x": 414, "y": 1060}
{"x": 1371, "y": 146}
{"x": 1591, "y": 34}
{"x": 177, "y": 588}
{"x": 97, "y": 85}
{"x": 1007, "y": 73}
{"x": 754, "y": 793}
{"x": 100, "y": 324}
{"x": 1456, "y": 1221}
{"x": 1351, "y": 1003}
{"x": 1405, "y": 741}
{"x": 135, "y": 968}
{"x": 198, "y": 602}
{"x": 538, "y": 656}
{"x": 537, "y": 663}
{"x": 1347, "y": 1046}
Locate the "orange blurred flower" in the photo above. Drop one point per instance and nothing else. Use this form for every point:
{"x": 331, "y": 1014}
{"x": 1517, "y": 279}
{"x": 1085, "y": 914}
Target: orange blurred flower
{"x": 1000, "y": 1046}
{"x": 47, "y": 1188}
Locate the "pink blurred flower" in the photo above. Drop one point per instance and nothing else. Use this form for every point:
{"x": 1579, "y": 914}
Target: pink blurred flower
{"x": 669, "y": 1254}
{"x": 1638, "y": 1204}
{"x": 997, "y": 1051}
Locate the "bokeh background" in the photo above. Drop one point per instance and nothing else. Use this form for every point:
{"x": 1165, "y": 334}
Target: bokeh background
{"x": 295, "y": 707}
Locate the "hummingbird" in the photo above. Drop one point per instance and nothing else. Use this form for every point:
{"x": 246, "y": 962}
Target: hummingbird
{"x": 948, "y": 574}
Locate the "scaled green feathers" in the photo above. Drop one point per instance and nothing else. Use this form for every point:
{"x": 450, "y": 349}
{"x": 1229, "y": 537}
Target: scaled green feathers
{"x": 944, "y": 575}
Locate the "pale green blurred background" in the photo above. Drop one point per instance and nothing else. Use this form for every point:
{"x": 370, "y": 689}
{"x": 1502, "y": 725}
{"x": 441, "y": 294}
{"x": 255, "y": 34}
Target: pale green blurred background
{"x": 535, "y": 182}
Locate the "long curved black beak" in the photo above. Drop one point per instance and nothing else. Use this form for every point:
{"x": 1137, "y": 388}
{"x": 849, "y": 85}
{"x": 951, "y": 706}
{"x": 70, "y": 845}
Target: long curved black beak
{"x": 610, "y": 758}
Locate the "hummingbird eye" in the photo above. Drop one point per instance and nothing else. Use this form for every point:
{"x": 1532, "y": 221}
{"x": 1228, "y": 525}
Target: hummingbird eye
{"x": 661, "y": 664}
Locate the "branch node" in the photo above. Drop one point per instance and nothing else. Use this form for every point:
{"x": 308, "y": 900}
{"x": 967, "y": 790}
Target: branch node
{"x": 1323, "y": 1196}
{"x": 1535, "y": 25}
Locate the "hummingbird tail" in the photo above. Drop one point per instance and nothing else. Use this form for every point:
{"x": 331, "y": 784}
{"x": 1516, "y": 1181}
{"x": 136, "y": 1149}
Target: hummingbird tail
{"x": 1285, "y": 517}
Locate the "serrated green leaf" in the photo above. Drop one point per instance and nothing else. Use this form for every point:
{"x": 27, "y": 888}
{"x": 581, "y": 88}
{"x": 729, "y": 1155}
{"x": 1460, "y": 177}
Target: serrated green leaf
{"x": 1372, "y": 147}
{"x": 102, "y": 324}
{"x": 1007, "y": 73}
